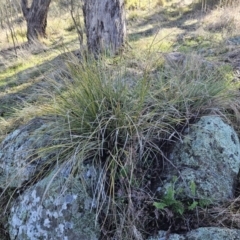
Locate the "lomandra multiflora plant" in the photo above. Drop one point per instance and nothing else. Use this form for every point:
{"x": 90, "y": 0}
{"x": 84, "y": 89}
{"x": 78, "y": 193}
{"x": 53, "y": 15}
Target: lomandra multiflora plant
{"x": 124, "y": 128}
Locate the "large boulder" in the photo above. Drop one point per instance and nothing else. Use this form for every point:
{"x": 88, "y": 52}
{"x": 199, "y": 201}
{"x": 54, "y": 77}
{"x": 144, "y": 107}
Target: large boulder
{"x": 19, "y": 159}
{"x": 56, "y": 208}
{"x": 204, "y": 233}
{"x": 208, "y": 157}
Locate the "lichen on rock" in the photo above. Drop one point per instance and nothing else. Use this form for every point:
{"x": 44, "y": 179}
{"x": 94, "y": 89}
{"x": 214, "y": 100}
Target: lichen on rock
{"x": 209, "y": 157}
{"x": 19, "y": 160}
{"x": 56, "y": 208}
{"x": 204, "y": 233}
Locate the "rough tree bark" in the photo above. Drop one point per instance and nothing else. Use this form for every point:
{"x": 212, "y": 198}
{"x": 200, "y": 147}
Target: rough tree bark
{"x": 105, "y": 25}
{"x": 36, "y": 17}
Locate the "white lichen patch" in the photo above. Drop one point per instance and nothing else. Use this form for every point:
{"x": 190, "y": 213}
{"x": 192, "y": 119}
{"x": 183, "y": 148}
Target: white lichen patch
{"x": 53, "y": 214}
{"x": 17, "y": 150}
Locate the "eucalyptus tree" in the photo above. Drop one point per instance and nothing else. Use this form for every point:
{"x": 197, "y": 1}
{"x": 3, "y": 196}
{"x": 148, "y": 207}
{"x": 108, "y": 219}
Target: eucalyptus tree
{"x": 105, "y": 25}
{"x": 36, "y": 17}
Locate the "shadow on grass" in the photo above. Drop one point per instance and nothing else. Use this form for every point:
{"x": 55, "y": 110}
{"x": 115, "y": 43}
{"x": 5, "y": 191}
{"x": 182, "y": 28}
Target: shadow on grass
{"x": 171, "y": 18}
{"x": 24, "y": 86}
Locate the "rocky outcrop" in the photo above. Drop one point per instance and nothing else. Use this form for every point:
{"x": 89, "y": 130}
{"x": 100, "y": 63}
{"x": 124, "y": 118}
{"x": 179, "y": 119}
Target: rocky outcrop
{"x": 209, "y": 157}
{"x": 56, "y": 208}
{"x": 205, "y": 233}
{"x": 59, "y": 206}
{"x": 19, "y": 160}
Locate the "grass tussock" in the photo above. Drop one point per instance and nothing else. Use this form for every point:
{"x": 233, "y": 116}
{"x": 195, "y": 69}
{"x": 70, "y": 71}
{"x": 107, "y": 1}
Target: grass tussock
{"x": 126, "y": 128}
{"x": 123, "y": 115}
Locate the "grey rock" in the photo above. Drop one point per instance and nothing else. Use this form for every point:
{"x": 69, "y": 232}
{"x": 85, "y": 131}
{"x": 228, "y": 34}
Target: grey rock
{"x": 204, "y": 233}
{"x": 19, "y": 160}
{"x": 233, "y": 40}
{"x": 163, "y": 235}
{"x": 209, "y": 156}
{"x": 56, "y": 208}
{"x": 213, "y": 233}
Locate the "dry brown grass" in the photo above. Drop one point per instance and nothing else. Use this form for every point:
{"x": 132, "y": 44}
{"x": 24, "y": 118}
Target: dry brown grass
{"x": 224, "y": 19}
{"x": 143, "y": 4}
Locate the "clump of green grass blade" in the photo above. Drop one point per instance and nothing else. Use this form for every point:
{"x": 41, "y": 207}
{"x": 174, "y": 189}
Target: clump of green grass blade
{"x": 121, "y": 125}
{"x": 97, "y": 107}
{"x": 193, "y": 89}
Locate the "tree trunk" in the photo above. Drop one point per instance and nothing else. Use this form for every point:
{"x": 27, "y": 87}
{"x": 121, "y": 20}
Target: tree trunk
{"x": 36, "y": 17}
{"x": 105, "y": 25}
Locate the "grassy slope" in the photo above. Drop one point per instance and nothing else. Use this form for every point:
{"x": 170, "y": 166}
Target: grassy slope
{"x": 152, "y": 32}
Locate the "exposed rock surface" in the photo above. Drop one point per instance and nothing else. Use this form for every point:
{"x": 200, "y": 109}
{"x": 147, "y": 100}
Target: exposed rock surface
{"x": 59, "y": 206}
{"x": 56, "y": 208}
{"x": 209, "y": 157}
{"x": 205, "y": 233}
{"x": 19, "y": 160}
